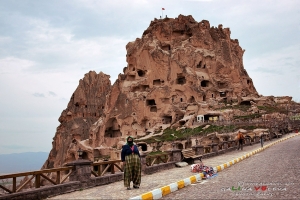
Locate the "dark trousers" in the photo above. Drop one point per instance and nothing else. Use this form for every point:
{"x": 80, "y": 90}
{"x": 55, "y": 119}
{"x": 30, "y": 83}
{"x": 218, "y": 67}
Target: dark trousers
{"x": 262, "y": 142}
{"x": 240, "y": 144}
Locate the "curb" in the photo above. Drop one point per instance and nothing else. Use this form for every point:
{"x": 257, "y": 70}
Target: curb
{"x": 163, "y": 191}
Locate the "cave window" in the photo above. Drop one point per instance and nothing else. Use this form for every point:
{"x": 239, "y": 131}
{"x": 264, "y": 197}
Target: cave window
{"x": 179, "y": 146}
{"x": 222, "y": 94}
{"x": 248, "y": 81}
{"x": 95, "y": 114}
{"x": 245, "y": 103}
{"x": 166, "y": 47}
{"x": 167, "y": 119}
{"x": 204, "y": 83}
{"x": 77, "y": 104}
{"x": 181, "y": 123}
{"x": 141, "y": 73}
{"x": 153, "y": 109}
{"x": 212, "y": 95}
{"x": 144, "y": 146}
{"x": 192, "y": 99}
{"x": 204, "y": 98}
{"x": 102, "y": 107}
{"x": 180, "y": 99}
{"x": 199, "y": 65}
{"x": 86, "y": 106}
{"x": 150, "y": 102}
{"x": 82, "y": 115}
{"x": 181, "y": 79}
{"x": 156, "y": 82}
{"x": 204, "y": 66}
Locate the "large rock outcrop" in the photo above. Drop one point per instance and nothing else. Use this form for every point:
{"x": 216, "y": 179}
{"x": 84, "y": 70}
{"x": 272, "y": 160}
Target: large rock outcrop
{"x": 84, "y": 109}
{"x": 179, "y": 69}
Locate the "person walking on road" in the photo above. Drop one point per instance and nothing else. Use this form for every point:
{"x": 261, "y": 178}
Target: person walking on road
{"x": 130, "y": 157}
{"x": 240, "y": 138}
{"x": 262, "y": 140}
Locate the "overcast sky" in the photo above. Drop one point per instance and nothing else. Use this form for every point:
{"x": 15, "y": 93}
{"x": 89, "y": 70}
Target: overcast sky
{"x": 46, "y": 47}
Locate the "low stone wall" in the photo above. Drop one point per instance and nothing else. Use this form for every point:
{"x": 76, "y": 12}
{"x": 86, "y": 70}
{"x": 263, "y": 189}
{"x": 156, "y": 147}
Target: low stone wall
{"x": 53, "y": 190}
{"x": 44, "y": 192}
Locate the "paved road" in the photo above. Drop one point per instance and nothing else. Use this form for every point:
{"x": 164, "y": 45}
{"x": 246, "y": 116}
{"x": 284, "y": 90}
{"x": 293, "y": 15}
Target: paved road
{"x": 273, "y": 173}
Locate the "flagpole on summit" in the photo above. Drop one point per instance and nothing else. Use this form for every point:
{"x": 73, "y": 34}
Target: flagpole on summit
{"x": 162, "y": 12}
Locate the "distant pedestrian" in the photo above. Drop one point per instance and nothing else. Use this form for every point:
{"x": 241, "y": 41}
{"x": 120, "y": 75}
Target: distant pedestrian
{"x": 240, "y": 138}
{"x": 262, "y": 140}
{"x": 130, "y": 157}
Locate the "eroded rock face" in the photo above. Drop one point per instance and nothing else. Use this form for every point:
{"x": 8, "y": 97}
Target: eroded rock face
{"x": 84, "y": 109}
{"x": 179, "y": 69}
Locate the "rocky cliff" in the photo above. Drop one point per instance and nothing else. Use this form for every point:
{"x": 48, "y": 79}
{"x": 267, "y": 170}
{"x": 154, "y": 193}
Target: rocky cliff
{"x": 177, "y": 70}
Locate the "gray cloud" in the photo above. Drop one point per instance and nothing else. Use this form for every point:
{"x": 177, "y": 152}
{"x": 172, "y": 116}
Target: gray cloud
{"x": 51, "y": 45}
{"x": 52, "y": 94}
{"x": 38, "y": 95}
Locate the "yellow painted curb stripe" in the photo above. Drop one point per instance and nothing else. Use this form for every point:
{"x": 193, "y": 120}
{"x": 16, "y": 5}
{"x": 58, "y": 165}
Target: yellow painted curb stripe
{"x": 193, "y": 179}
{"x": 180, "y": 184}
{"x": 147, "y": 196}
{"x": 165, "y": 190}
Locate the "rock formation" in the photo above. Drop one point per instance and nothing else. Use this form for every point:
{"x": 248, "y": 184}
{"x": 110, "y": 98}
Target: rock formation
{"x": 84, "y": 109}
{"x": 179, "y": 69}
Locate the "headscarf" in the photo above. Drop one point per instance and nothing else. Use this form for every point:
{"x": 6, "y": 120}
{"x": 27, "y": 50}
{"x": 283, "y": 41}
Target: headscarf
{"x": 129, "y": 143}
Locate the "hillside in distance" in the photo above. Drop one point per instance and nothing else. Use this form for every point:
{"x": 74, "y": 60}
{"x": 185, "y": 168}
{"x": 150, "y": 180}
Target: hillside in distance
{"x": 22, "y": 162}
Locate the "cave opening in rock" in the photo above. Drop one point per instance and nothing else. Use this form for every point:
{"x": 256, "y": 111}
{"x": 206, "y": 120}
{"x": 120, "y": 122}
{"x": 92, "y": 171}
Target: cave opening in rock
{"x": 143, "y": 145}
{"x": 112, "y": 129}
{"x": 167, "y": 119}
{"x": 192, "y": 99}
{"x": 141, "y": 73}
{"x": 166, "y": 47}
{"x": 179, "y": 146}
{"x": 188, "y": 144}
{"x": 150, "y": 102}
{"x": 204, "y": 83}
{"x": 199, "y": 64}
{"x": 182, "y": 122}
{"x": 180, "y": 80}
{"x": 246, "y": 103}
{"x": 156, "y": 82}
{"x": 222, "y": 94}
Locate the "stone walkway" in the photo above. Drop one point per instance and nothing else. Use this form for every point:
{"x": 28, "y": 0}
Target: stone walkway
{"x": 150, "y": 182}
{"x": 270, "y": 174}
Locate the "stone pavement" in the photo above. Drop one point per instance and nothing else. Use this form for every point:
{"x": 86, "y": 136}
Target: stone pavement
{"x": 271, "y": 174}
{"x": 150, "y": 182}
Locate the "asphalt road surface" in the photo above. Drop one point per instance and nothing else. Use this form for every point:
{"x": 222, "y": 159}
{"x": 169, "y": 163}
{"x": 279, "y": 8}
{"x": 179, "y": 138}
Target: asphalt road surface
{"x": 271, "y": 174}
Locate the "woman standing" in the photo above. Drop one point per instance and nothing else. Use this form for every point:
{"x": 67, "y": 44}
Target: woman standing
{"x": 132, "y": 164}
